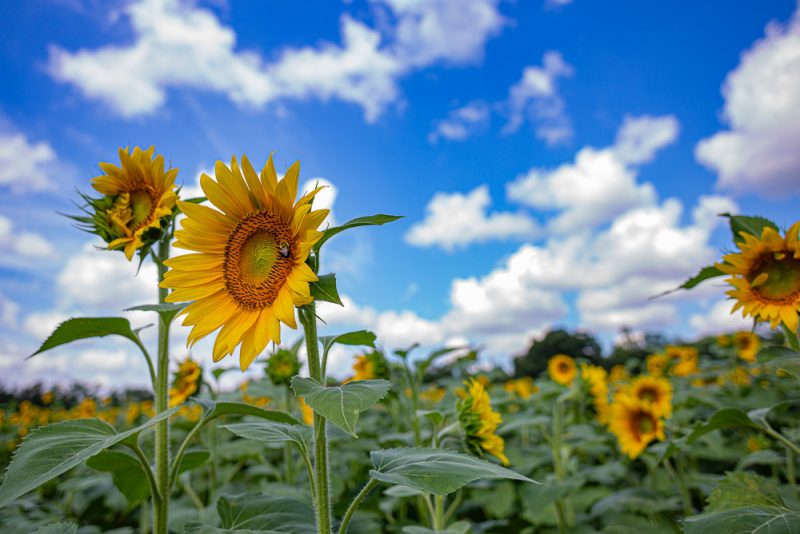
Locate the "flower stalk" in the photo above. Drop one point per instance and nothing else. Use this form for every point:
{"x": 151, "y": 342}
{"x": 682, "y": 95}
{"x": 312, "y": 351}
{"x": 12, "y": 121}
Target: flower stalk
{"x": 161, "y": 506}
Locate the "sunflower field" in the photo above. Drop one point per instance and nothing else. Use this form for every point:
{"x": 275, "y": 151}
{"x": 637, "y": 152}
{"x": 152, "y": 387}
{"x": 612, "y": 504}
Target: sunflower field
{"x": 697, "y": 437}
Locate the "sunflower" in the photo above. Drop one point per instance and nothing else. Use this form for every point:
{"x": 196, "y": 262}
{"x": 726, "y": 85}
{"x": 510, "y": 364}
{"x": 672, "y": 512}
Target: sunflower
{"x": 370, "y": 366}
{"x": 595, "y": 378}
{"x": 619, "y": 373}
{"x": 282, "y": 366}
{"x": 657, "y": 364}
{"x": 747, "y": 344}
{"x": 480, "y": 422}
{"x": 186, "y": 382}
{"x": 522, "y": 387}
{"x": 306, "y": 412}
{"x": 249, "y": 270}
{"x": 655, "y": 391}
{"x": 635, "y": 424}
{"x": 562, "y": 369}
{"x": 765, "y": 274}
{"x": 137, "y": 203}
{"x": 432, "y": 394}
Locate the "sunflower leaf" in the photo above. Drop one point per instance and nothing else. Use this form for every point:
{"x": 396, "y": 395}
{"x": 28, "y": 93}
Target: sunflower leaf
{"x": 269, "y": 432}
{"x": 372, "y": 220}
{"x": 357, "y": 338}
{"x": 167, "y": 311}
{"x": 341, "y": 405}
{"x": 749, "y": 225}
{"x": 259, "y": 513}
{"x": 87, "y": 327}
{"x": 126, "y": 473}
{"x": 438, "y": 471}
{"x": 747, "y": 520}
{"x": 218, "y": 409}
{"x": 52, "y": 450}
{"x": 781, "y": 358}
{"x": 325, "y": 289}
{"x": 729, "y": 417}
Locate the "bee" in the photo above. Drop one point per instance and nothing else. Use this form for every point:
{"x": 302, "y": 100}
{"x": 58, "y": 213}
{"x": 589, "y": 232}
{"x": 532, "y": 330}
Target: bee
{"x": 284, "y": 250}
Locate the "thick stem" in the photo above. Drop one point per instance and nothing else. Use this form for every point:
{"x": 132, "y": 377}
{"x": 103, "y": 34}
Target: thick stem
{"x": 308, "y": 317}
{"x": 438, "y": 508}
{"x": 354, "y": 505}
{"x": 161, "y": 511}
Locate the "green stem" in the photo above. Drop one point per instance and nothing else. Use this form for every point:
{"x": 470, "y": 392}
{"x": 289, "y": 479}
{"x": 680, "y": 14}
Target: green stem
{"x": 453, "y": 507}
{"x": 148, "y": 471}
{"x": 161, "y": 511}
{"x": 176, "y": 463}
{"x": 780, "y": 437}
{"x": 438, "y": 518}
{"x": 354, "y": 505}
{"x": 144, "y": 519}
{"x": 287, "y": 449}
{"x": 308, "y": 317}
{"x": 558, "y": 462}
{"x": 192, "y": 495}
{"x": 791, "y": 475}
{"x": 686, "y": 498}
{"x": 150, "y": 368}
{"x": 431, "y": 512}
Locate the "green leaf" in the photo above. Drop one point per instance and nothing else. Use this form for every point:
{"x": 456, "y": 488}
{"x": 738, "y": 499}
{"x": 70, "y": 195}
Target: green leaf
{"x": 325, "y": 289}
{"x": 749, "y": 520}
{"x": 724, "y": 418}
{"x": 126, "y": 473}
{"x": 87, "y": 327}
{"x": 218, "y": 409}
{"x": 759, "y": 416}
{"x": 341, "y": 405}
{"x": 269, "y": 432}
{"x": 743, "y": 489}
{"x": 54, "y": 449}
{"x": 438, "y": 471}
{"x": 357, "y": 338}
{"x": 192, "y": 460}
{"x": 259, "y": 513}
{"x": 706, "y": 273}
{"x": 167, "y": 311}
{"x": 57, "y": 528}
{"x": 749, "y": 225}
{"x": 459, "y": 527}
{"x": 781, "y": 358}
{"x": 372, "y": 220}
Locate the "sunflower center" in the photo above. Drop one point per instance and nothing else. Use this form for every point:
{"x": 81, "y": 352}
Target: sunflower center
{"x": 644, "y": 423}
{"x": 563, "y": 367}
{"x": 648, "y": 395}
{"x": 258, "y": 259}
{"x": 777, "y": 279}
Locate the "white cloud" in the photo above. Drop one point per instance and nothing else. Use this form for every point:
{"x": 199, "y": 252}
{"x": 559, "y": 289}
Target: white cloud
{"x": 179, "y": 45}
{"x": 325, "y": 199}
{"x": 41, "y": 324}
{"x": 640, "y": 138}
{"x": 25, "y": 166}
{"x": 462, "y": 122}
{"x": 557, "y": 3}
{"x": 718, "y": 319}
{"x": 404, "y": 328}
{"x": 8, "y": 312}
{"x": 601, "y": 183}
{"x": 759, "y": 153}
{"x": 535, "y": 97}
{"x": 429, "y": 31}
{"x": 22, "y": 246}
{"x": 457, "y": 220}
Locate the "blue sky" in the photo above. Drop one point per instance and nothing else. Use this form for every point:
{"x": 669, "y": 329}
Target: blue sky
{"x": 556, "y": 162}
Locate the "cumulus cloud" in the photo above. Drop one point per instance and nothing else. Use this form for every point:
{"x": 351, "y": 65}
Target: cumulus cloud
{"x": 718, "y": 319}
{"x": 8, "y": 312}
{"x": 759, "y": 153}
{"x": 24, "y": 165}
{"x": 180, "y": 45}
{"x": 535, "y": 98}
{"x": 462, "y": 122}
{"x": 457, "y": 220}
{"x": 22, "y": 246}
{"x": 600, "y": 183}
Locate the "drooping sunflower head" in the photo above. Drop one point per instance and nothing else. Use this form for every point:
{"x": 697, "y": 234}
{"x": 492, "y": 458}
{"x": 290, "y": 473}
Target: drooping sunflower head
{"x": 137, "y": 203}
{"x": 282, "y": 366}
{"x": 248, "y": 268}
{"x": 479, "y": 422}
{"x": 562, "y": 369}
{"x": 765, "y": 274}
{"x": 747, "y": 345}
{"x": 635, "y": 424}
{"x": 185, "y": 383}
{"x": 654, "y": 391}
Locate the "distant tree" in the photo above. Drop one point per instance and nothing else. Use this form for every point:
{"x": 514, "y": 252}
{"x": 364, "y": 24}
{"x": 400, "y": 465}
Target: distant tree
{"x": 560, "y": 341}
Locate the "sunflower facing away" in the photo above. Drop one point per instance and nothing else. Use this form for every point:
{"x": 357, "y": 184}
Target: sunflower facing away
{"x": 635, "y": 424}
{"x": 765, "y": 274}
{"x": 138, "y": 195}
{"x": 562, "y": 369}
{"x": 248, "y": 270}
{"x": 479, "y": 421}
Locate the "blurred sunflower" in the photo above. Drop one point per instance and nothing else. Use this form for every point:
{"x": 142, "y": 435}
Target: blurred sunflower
{"x": 687, "y": 360}
{"x": 562, "y": 369}
{"x": 282, "y": 366}
{"x": 635, "y": 424}
{"x": 369, "y": 366}
{"x": 747, "y": 345}
{"x": 657, "y": 364}
{"x": 480, "y": 422}
{"x": 655, "y": 391}
{"x": 186, "y": 382}
{"x": 137, "y": 203}
{"x": 432, "y": 394}
{"x": 522, "y": 387}
{"x": 306, "y": 412}
{"x": 765, "y": 274}
{"x": 619, "y": 373}
{"x": 249, "y": 270}
{"x": 595, "y": 378}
